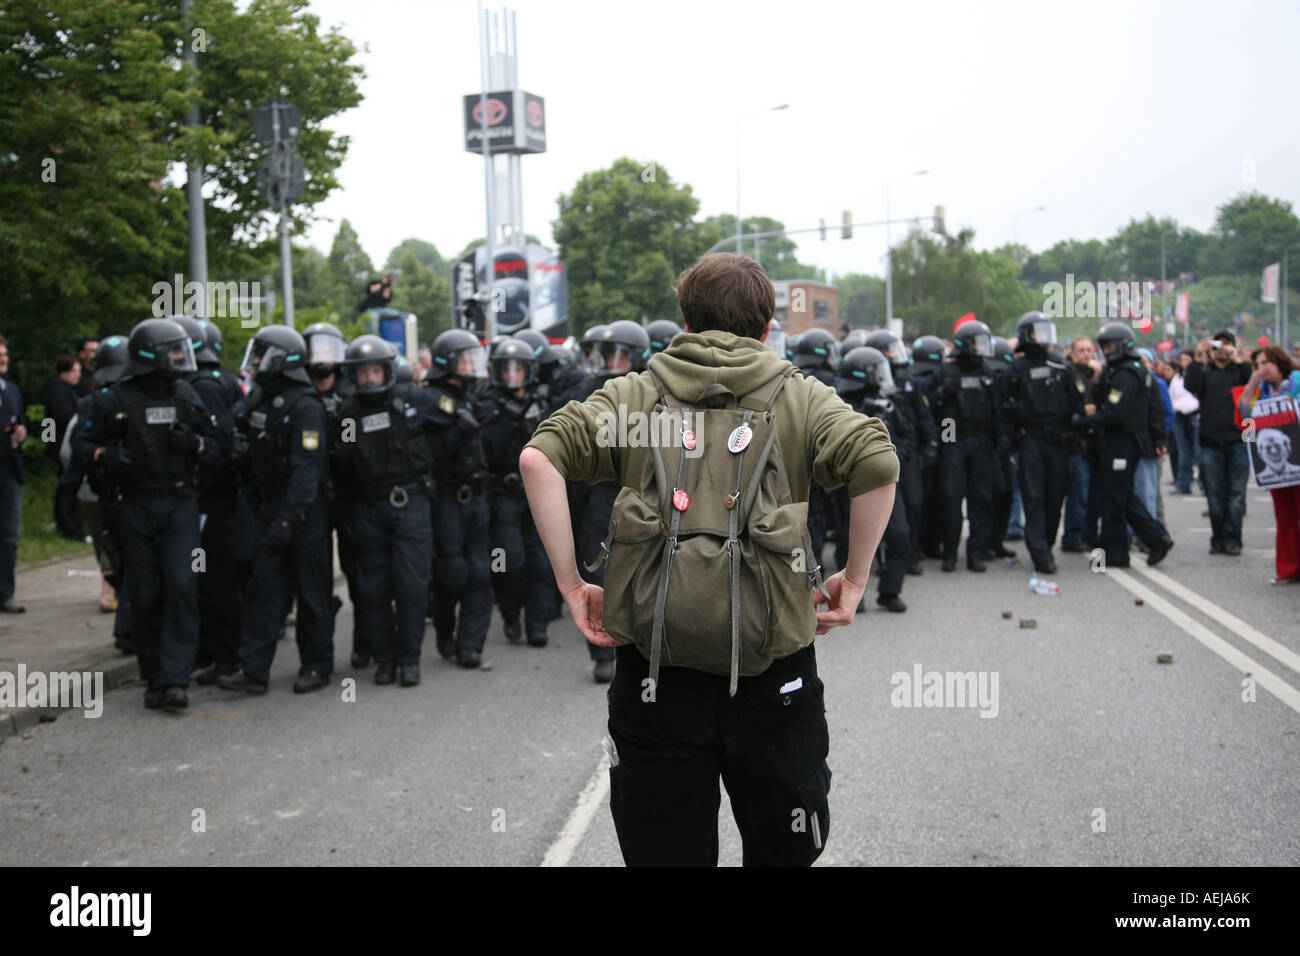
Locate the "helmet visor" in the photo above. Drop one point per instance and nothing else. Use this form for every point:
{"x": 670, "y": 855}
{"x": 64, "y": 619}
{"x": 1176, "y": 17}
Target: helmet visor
{"x": 776, "y": 342}
{"x": 615, "y": 357}
{"x": 176, "y": 356}
{"x": 468, "y": 363}
{"x": 324, "y": 349}
{"x": 263, "y": 358}
{"x": 981, "y": 344}
{"x": 897, "y": 353}
{"x": 1044, "y": 332}
{"x": 511, "y": 372}
{"x": 371, "y": 376}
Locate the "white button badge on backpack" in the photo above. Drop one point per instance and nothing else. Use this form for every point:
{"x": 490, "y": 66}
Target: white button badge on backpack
{"x": 738, "y": 440}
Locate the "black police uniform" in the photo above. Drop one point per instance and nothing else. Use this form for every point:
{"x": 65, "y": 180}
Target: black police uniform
{"x": 897, "y": 539}
{"x": 1123, "y": 413}
{"x": 1040, "y": 397}
{"x": 526, "y": 582}
{"x": 590, "y": 507}
{"x": 929, "y": 530}
{"x": 287, "y": 432}
{"x": 823, "y": 511}
{"x": 341, "y": 493}
{"x": 158, "y": 423}
{"x": 388, "y": 464}
{"x": 225, "y": 531}
{"x": 462, "y": 570}
{"x": 1004, "y": 472}
{"x": 918, "y": 453}
{"x": 965, "y": 394}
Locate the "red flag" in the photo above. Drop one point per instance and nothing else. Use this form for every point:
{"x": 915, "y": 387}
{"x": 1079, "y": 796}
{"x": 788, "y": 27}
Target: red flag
{"x": 968, "y": 317}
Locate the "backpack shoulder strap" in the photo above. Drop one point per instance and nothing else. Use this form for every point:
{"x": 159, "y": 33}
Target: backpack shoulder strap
{"x": 764, "y": 397}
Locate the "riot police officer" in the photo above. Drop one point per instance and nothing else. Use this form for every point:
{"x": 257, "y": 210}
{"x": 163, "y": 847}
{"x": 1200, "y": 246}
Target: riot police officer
{"x": 1121, "y": 408}
{"x": 920, "y": 441}
{"x": 148, "y": 432}
{"x": 325, "y": 350}
{"x": 462, "y": 574}
{"x": 866, "y": 382}
{"x": 927, "y": 359}
{"x": 963, "y": 395}
{"x": 221, "y": 586}
{"x": 385, "y": 442}
{"x": 1040, "y": 397}
{"x": 662, "y": 332}
{"x": 1006, "y": 493}
{"x": 815, "y": 354}
{"x": 525, "y": 582}
{"x": 287, "y": 466}
{"x": 623, "y": 347}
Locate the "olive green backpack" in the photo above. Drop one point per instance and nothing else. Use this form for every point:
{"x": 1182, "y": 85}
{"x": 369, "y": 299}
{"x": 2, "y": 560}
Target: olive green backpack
{"x": 713, "y": 570}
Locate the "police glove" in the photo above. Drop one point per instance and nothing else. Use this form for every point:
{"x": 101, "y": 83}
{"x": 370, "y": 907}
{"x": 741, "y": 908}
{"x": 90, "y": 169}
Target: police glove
{"x": 277, "y": 538}
{"x": 467, "y": 421}
{"x": 114, "y": 460}
{"x": 181, "y": 440}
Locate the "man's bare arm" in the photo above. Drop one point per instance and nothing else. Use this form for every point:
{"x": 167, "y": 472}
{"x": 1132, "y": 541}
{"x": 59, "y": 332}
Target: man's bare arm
{"x": 868, "y": 515}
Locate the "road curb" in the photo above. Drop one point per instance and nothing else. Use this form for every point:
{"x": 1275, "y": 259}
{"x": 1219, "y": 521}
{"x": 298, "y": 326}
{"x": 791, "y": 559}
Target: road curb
{"x": 117, "y": 673}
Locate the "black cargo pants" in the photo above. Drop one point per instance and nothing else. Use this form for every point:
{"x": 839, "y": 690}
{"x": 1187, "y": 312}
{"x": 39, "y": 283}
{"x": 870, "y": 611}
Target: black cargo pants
{"x": 768, "y": 744}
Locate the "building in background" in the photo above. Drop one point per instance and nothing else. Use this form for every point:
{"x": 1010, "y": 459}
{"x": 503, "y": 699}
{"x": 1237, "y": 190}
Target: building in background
{"x": 803, "y": 304}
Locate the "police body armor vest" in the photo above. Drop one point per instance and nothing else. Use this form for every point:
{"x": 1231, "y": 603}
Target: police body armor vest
{"x": 268, "y": 442}
{"x": 900, "y": 430}
{"x": 974, "y": 406}
{"x": 1046, "y": 386}
{"x": 466, "y": 459}
{"x": 148, "y": 419}
{"x": 392, "y": 446}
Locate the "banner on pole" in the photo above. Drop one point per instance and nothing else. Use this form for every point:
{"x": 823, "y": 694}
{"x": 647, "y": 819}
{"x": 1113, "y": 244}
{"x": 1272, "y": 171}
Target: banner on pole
{"x": 1268, "y": 282}
{"x": 1183, "y": 306}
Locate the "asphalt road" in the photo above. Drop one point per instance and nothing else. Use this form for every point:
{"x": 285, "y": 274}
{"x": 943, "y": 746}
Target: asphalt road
{"x": 1097, "y": 754}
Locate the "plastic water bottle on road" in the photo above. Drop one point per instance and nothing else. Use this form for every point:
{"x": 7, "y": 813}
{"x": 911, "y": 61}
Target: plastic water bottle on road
{"x": 1039, "y": 586}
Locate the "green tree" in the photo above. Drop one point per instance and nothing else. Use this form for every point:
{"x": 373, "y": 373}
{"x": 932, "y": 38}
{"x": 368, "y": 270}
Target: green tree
{"x": 425, "y": 253}
{"x": 777, "y": 255}
{"x": 1089, "y": 260}
{"x": 862, "y": 299}
{"x": 349, "y": 264}
{"x": 426, "y": 293}
{"x": 623, "y": 241}
{"x": 1254, "y": 229}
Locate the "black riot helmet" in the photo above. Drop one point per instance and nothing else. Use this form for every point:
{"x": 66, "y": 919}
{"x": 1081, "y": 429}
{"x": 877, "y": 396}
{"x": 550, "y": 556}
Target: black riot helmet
{"x": 624, "y": 338}
{"x": 371, "y": 350}
{"x": 513, "y": 364}
{"x": 891, "y": 346}
{"x": 854, "y": 340}
{"x": 214, "y": 346}
{"x": 1116, "y": 342}
{"x": 160, "y": 345}
{"x": 865, "y": 369}
{"x": 277, "y": 350}
{"x": 326, "y": 348}
{"x": 928, "y": 348}
{"x": 548, "y": 359}
{"x": 405, "y": 374}
{"x": 458, "y": 354}
{"x": 814, "y": 349}
{"x": 973, "y": 340}
{"x": 1003, "y": 354}
{"x": 591, "y": 346}
{"x": 1034, "y": 333}
{"x": 111, "y": 360}
{"x": 198, "y": 338}
{"x": 662, "y": 332}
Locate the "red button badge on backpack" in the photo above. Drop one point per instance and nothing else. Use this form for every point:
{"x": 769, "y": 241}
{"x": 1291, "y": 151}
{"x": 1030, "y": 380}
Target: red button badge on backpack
{"x": 681, "y": 500}
{"x": 688, "y": 440}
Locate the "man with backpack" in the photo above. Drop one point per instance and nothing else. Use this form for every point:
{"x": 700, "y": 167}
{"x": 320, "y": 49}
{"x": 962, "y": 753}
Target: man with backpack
{"x": 712, "y": 585}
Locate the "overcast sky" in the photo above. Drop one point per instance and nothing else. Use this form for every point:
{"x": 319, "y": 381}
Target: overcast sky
{"x": 1099, "y": 111}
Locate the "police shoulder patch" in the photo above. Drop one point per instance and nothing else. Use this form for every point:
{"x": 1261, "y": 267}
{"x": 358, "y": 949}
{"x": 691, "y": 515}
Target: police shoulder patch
{"x": 447, "y": 404}
{"x": 1114, "y": 396}
{"x": 1079, "y": 385}
{"x": 310, "y": 439}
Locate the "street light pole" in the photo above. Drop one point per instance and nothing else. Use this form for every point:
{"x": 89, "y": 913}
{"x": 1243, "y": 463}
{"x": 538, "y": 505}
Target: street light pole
{"x": 889, "y": 248}
{"x": 740, "y": 229}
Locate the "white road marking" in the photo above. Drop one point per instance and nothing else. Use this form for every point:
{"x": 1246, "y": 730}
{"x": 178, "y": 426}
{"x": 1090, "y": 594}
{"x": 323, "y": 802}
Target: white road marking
{"x": 1235, "y": 624}
{"x": 589, "y": 801}
{"x": 1266, "y": 678}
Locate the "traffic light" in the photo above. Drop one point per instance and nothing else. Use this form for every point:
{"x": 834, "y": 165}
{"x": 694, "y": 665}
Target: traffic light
{"x": 846, "y": 225}
{"x": 938, "y": 221}
{"x": 821, "y": 227}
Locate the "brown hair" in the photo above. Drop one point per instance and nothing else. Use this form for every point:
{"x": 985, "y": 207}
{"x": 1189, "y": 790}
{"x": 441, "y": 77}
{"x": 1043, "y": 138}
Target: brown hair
{"x": 728, "y": 293}
{"x": 63, "y": 364}
{"x": 1277, "y": 355}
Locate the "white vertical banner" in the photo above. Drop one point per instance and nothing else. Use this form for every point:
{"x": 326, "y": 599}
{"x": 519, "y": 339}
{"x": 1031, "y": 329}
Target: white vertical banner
{"x": 1268, "y": 282}
{"x": 1182, "y": 306}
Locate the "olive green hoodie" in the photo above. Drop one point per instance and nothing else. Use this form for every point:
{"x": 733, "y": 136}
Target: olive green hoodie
{"x": 820, "y": 435}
